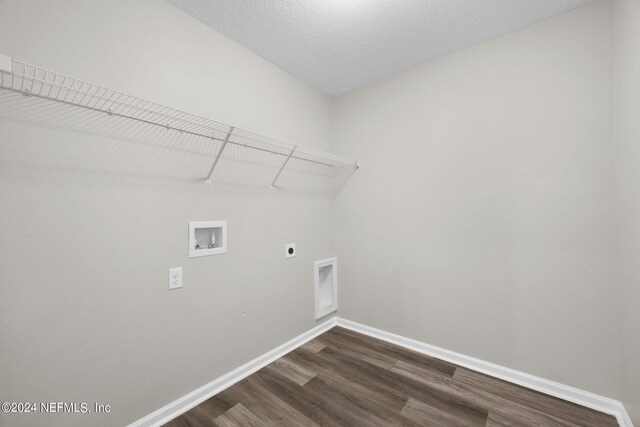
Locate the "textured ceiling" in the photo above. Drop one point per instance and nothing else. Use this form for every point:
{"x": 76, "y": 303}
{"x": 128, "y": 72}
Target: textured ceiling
{"x": 341, "y": 45}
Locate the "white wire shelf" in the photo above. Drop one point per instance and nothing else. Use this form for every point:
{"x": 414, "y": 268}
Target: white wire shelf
{"x": 31, "y": 80}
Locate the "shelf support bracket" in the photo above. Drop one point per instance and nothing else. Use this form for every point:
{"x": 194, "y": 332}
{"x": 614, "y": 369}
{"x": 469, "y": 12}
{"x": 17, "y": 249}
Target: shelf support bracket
{"x": 273, "y": 183}
{"x": 215, "y": 162}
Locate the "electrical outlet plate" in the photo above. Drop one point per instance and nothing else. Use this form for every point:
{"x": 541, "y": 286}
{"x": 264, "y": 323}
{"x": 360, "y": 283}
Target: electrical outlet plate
{"x": 290, "y": 250}
{"x": 5, "y": 64}
{"x": 175, "y": 278}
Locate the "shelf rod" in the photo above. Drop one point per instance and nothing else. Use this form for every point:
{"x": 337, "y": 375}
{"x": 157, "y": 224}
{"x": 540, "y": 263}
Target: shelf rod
{"x": 168, "y": 127}
{"x": 273, "y": 183}
{"x": 96, "y": 98}
{"x": 215, "y": 162}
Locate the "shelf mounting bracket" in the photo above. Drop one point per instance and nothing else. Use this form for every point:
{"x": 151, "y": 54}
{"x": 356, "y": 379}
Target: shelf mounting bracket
{"x": 273, "y": 183}
{"x": 215, "y": 162}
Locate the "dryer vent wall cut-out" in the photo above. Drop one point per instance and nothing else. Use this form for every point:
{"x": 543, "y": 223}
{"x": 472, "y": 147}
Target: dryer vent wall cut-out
{"x": 326, "y": 287}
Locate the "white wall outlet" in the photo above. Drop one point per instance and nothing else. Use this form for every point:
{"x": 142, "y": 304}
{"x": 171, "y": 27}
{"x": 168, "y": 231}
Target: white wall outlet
{"x": 175, "y": 278}
{"x": 290, "y": 250}
{"x": 5, "y": 64}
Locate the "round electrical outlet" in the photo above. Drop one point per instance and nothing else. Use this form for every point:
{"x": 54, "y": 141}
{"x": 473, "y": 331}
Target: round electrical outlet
{"x": 290, "y": 250}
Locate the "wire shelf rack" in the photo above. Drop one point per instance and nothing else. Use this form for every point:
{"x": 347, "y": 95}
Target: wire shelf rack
{"x": 31, "y": 80}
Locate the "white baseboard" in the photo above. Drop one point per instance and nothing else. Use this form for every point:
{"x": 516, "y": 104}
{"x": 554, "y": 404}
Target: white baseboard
{"x": 580, "y": 397}
{"x": 571, "y": 394}
{"x": 183, "y": 404}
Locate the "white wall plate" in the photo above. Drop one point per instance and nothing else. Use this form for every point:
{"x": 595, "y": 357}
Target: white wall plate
{"x": 175, "y": 278}
{"x": 6, "y": 64}
{"x": 290, "y": 250}
{"x": 207, "y": 238}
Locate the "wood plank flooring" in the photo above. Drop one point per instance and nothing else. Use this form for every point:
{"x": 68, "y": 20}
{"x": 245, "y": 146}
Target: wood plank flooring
{"x": 343, "y": 378}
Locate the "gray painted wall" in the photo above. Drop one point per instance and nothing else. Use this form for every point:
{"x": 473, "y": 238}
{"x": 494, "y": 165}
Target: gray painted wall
{"x": 627, "y": 156}
{"x": 482, "y": 218}
{"x": 92, "y": 218}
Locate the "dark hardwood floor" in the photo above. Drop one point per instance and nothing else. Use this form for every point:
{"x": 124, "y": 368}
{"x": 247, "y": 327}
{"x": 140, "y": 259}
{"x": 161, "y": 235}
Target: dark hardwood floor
{"x": 343, "y": 378}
